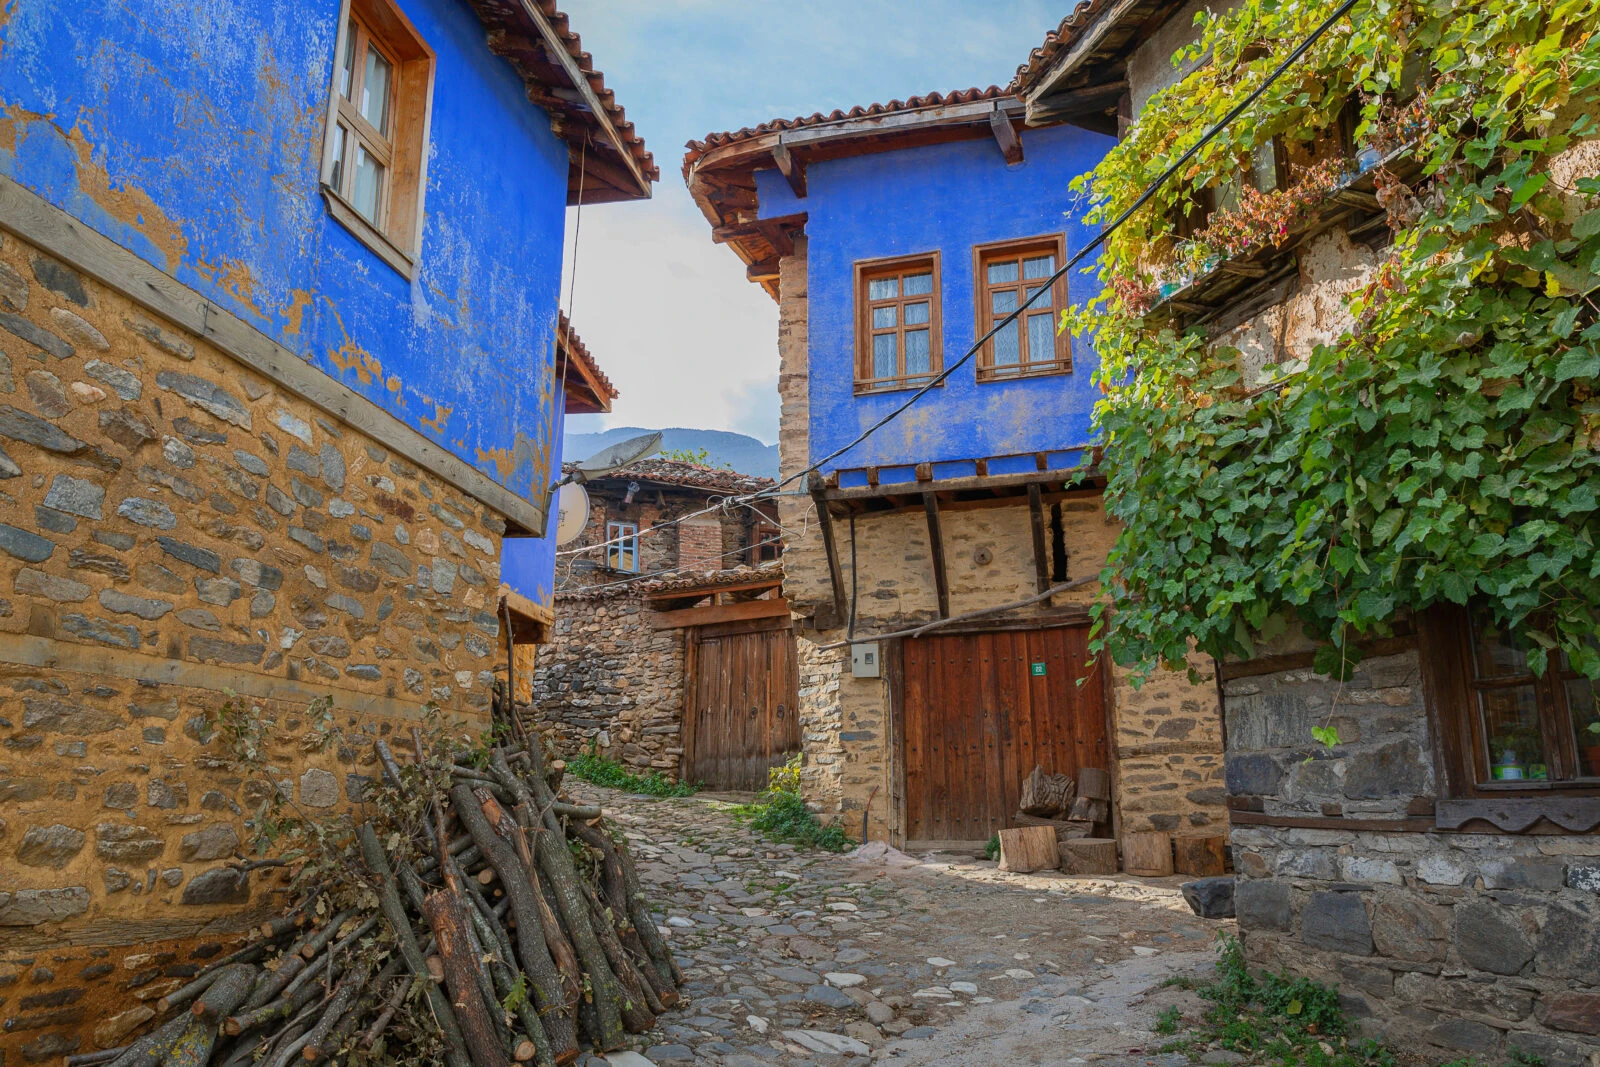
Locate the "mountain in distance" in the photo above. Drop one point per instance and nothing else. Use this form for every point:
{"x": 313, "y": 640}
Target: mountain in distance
{"x": 743, "y": 453}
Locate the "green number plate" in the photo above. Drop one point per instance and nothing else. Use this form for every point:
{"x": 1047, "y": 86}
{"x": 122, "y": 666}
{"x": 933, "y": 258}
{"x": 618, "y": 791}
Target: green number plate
{"x": 1037, "y": 669}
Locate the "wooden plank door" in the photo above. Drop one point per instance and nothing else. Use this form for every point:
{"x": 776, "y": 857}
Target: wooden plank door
{"x": 740, "y": 716}
{"x": 980, "y": 713}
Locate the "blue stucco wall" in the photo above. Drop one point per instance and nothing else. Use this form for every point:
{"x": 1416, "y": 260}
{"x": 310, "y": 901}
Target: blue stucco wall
{"x": 190, "y": 131}
{"x": 945, "y": 198}
{"x": 528, "y": 564}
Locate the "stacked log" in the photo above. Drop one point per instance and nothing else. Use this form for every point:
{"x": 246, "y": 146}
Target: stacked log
{"x": 1073, "y": 809}
{"x": 455, "y": 925}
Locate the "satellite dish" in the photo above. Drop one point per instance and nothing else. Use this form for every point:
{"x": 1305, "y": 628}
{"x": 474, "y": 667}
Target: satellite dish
{"x": 570, "y": 514}
{"x": 616, "y": 457}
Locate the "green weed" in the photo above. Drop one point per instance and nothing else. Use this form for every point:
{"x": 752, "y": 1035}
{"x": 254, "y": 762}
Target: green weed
{"x": 1167, "y": 1021}
{"x": 991, "y": 851}
{"x": 593, "y": 767}
{"x": 780, "y": 814}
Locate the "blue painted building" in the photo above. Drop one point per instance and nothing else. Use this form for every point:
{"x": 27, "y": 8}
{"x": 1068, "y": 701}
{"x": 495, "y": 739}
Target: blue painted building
{"x": 894, "y": 237}
{"x": 376, "y": 187}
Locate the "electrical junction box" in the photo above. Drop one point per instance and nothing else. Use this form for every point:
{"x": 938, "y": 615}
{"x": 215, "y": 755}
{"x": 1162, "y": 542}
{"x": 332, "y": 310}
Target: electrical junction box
{"x": 864, "y": 661}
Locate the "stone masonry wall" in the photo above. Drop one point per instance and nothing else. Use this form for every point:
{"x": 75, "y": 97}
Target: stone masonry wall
{"x": 173, "y": 526}
{"x": 1449, "y": 944}
{"x": 608, "y": 678}
{"x": 1167, "y": 732}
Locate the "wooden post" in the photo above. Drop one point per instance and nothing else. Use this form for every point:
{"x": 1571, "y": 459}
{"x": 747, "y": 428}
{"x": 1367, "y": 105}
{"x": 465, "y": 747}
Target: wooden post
{"x": 1004, "y": 136}
{"x": 829, "y": 547}
{"x": 1041, "y": 562}
{"x": 793, "y": 171}
{"x": 1148, "y": 853}
{"x": 1202, "y": 855}
{"x": 941, "y": 581}
{"x": 1029, "y": 848}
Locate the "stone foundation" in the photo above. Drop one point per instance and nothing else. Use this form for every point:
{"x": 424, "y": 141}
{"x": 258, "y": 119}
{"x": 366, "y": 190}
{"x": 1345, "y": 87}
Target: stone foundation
{"x": 1447, "y": 944}
{"x": 611, "y": 680}
{"x": 173, "y": 527}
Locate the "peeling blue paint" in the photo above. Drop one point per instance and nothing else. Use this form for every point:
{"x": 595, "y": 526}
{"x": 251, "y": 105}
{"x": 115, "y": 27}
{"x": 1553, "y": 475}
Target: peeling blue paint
{"x": 191, "y": 132}
{"x": 947, "y": 198}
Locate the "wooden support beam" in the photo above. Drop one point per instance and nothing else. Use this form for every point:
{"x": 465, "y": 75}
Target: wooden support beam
{"x": 793, "y": 171}
{"x": 1041, "y": 561}
{"x": 941, "y": 581}
{"x": 704, "y": 616}
{"x": 762, "y": 270}
{"x": 1004, "y": 136}
{"x": 825, "y": 524}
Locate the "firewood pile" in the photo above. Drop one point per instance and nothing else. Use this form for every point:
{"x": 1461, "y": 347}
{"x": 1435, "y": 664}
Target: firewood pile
{"x": 1074, "y": 809}
{"x": 473, "y": 918}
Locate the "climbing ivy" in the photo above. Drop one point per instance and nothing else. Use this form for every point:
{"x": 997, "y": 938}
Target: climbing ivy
{"x": 1444, "y": 447}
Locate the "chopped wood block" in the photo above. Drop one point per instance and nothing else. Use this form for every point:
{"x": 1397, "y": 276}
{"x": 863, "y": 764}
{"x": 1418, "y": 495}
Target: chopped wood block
{"x": 1045, "y": 794}
{"x": 1065, "y": 828}
{"x": 1203, "y": 855}
{"x": 1089, "y": 809}
{"x": 1094, "y": 783}
{"x": 1029, "y": 848}
{"x": 1089, "y": 855}
{"x": 1148, "y": 853}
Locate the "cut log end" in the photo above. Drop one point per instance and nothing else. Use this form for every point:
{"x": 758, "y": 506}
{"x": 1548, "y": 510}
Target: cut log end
{"x": 1024, "y": 849}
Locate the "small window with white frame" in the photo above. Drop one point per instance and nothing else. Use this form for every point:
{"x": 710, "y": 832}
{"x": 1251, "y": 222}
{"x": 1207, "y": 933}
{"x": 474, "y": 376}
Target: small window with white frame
{"x": 622, "y": 547}
{"x": 374, "y": 168}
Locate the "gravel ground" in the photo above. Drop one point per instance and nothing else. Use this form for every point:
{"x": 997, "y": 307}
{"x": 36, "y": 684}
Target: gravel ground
{"x": 795, "y": 957}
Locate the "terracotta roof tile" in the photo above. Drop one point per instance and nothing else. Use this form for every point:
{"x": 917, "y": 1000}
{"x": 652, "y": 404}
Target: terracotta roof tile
{"x": 696, "y": 149}
{"x": 691, "y": 475}
{"x": 690, "y": 582}
{"x": 573, "y": 344}
{"x": 1039, "y": 60}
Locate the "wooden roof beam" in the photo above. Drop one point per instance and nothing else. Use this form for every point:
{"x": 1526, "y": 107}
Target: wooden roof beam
{"x": 793, "y": 171}
{"x": 1004, "y": 136}
{"x": 762, "y": 270}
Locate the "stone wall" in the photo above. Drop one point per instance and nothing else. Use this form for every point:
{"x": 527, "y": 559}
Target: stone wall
{"x": 1449, "y": 944}
{"x": 608, "y": 678}
{"x": 174, "y": 526}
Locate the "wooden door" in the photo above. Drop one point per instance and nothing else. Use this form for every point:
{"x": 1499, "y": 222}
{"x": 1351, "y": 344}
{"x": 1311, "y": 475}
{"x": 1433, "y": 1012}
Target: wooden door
{"x": 740, "y": 716}
{"x": 980, "y": 712}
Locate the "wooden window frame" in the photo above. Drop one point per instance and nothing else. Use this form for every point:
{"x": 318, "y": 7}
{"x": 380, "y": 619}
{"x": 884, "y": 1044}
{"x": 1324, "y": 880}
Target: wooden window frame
{"x": 1460, "y": 747}
{"x": 761, "y": 529}
{"x": 1060, "y": 361}
{"x": 616, "y": 552}
{"x": 867, "y": 270}
{"x": 396, "y": 235}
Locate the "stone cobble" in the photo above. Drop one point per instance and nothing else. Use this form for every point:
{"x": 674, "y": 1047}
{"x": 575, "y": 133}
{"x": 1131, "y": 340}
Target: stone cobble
{"x": 797, "y": 957}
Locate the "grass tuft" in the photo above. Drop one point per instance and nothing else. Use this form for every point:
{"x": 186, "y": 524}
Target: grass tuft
{"x": 598, "y": 769}
{"x": 780, "y": 814}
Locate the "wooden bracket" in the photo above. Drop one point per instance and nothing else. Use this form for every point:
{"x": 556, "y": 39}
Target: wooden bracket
{"x": 793, "y": 171}
{"x": 1041, "y": 562}
{"x": 1005, "y": 136}
{"x": 825, "y": 523}
{"x": 941, "y": 581}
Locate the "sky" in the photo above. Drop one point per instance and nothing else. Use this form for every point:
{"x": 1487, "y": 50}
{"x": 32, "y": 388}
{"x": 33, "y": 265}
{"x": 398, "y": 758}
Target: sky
{"x": 667, "y": 314}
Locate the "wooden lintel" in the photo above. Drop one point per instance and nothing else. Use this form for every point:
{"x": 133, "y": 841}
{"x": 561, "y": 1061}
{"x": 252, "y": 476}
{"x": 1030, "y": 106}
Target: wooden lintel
{"x": 1041, "y": 562}
{"x": 1004, "y": 136}
{"x": 712, "y": 613}
{"x": 793, "y": 171}
{"x": 1245, "y": 270}
{"x": 1017, "y": 482}
{"x": 941, "y": 580}
{"x": 829, "y": 546}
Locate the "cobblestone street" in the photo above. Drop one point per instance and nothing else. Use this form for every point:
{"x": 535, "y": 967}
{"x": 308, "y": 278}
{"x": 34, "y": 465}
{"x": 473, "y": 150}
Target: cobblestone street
{"x": 796, "y": 957}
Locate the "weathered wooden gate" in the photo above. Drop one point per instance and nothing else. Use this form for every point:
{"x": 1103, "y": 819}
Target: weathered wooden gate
{"x": 741, "y": 691}
{"x": 981, "y": 709}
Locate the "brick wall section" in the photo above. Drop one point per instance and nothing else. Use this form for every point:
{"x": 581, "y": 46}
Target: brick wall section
{"x": 609, "y": 679}
{"x": 700, "y": 545}
{"x": 1455, "y": 944}
{"x": 174, "y": 525}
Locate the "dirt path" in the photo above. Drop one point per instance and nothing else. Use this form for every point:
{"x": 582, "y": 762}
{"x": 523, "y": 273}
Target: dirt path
{"x": 793, "y": 957}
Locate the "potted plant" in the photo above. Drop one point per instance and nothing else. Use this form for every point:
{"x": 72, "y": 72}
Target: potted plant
{"x": 1517, "y": 753}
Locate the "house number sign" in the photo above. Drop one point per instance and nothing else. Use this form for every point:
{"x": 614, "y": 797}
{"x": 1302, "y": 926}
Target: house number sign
{"x": 1036, "y": 669}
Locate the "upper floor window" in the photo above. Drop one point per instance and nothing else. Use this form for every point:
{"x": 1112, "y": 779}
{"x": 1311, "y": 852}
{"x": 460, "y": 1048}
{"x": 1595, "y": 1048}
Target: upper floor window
{"x": 766, "y": 542}
{"x": 898, "y": 342}
{"x": 1007, "y": 275}
{"x": 374, "y": 158}
{"x": 622, "y": 546}
{"x": 1502, "y": 726}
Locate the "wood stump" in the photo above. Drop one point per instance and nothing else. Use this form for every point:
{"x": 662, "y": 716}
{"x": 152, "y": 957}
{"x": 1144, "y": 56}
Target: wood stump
{"x": 1029, "y": 848}
{"x": 1065, "y": 829}
{"x": 1044, "y": 794}
{"x": 1148, "y": 854}
{"x": 1094, "y": 784}
{"x": 1089, "y": 855}
{"x": 1202, "y": 855}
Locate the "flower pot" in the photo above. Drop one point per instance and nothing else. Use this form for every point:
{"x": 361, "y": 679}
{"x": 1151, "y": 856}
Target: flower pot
{"x": 1507, "y": 772}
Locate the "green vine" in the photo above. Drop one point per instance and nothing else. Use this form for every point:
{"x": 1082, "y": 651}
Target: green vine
{"x": 1441, "y": 448}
